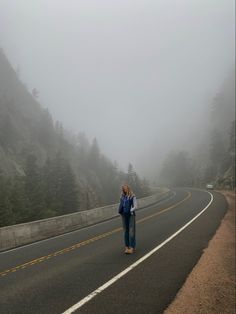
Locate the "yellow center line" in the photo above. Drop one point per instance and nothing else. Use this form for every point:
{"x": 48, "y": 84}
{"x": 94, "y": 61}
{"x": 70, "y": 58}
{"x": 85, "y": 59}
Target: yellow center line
{"x": 85, "y": 242}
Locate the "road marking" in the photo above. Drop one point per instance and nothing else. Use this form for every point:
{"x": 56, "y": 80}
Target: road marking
{"x": 132, "y": 266}
{"x": 85, "y": 242}
{"x": 165, "y": 209}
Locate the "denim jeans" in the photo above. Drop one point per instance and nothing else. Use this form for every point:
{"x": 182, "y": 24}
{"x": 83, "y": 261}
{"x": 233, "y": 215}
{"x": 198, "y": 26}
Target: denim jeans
{"x": 129, "y": 230}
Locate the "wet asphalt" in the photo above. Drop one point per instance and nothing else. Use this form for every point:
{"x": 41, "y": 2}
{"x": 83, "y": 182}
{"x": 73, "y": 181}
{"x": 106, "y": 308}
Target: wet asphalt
{"x": 50, "y": 276}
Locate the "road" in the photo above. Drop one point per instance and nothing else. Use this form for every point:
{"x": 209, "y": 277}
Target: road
{"x": 52, "y": 275}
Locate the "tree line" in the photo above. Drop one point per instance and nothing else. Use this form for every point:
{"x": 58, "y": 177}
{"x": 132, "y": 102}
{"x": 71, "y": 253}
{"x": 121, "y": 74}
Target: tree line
{"x": 53, "y": 189}
{"x": 41, "y": 193}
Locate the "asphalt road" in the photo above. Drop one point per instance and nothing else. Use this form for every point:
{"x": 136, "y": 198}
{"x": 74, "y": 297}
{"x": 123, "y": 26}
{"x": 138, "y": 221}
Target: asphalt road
{"x": 52, "y": 275}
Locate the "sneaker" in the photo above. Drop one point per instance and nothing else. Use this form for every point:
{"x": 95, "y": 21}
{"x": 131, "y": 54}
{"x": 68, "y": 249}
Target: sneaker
{"x": 131, "y": 250}
{"x": 126, "y": 250}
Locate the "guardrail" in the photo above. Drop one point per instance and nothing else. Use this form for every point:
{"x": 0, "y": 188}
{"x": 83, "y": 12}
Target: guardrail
{"x": 25, "y": 233}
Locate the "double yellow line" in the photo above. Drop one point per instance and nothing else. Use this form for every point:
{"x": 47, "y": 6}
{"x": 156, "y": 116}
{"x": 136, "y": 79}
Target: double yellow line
{"x": 80, "y": 244}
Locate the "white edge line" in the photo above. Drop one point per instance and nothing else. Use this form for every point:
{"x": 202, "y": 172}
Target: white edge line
{"x": 77, "y": 230}
{"x": 128, "y": 269}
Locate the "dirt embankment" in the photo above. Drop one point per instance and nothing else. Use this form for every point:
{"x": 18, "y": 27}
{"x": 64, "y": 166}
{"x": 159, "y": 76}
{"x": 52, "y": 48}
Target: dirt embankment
{"x": 210, "y": 288}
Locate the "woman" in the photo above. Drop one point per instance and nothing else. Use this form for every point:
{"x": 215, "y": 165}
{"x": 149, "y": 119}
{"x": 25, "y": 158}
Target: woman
{"x": 128, "y": 204}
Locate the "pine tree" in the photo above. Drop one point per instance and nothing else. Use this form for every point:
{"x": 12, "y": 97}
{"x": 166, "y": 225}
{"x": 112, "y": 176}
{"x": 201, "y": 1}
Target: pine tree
{"x": 34, "y": 188}
{"x": 50, "y": 188}
{"x": 6, "y": 212}
{"x": 69, "y": 192}
{"x": 217, "y": 152}
{"x": 19, "y": 200}
{"x": 61, "y": 187}
{"x": 134, "y": 181}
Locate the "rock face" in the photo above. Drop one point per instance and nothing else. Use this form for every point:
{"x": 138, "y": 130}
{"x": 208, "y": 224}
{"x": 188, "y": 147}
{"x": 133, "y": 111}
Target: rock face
{"x": 21, "y": 122}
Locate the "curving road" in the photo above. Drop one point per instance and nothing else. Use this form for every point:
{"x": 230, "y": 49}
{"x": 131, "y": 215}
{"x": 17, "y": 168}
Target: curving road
{"x": 53, "y": 275}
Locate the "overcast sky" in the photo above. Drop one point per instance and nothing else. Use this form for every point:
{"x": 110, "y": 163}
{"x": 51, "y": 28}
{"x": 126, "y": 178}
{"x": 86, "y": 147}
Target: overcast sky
{"x": 137, "y": 75}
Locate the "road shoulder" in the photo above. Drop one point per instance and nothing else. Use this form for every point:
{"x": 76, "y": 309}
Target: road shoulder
{"x": 210, "y": 287}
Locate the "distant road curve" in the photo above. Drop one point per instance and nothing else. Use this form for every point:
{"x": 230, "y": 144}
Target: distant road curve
{"x": 86, "y": 270}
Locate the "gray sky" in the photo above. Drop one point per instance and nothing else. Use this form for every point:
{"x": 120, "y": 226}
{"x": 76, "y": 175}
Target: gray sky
{"x": 138, "y": 75}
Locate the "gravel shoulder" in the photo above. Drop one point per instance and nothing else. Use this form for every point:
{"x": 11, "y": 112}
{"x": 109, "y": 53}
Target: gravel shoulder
{"x": 210, "y": 287}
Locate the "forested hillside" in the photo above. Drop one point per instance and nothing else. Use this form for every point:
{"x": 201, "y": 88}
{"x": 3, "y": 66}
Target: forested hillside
{"x": 220, "y": 169}
{"x": 213, "y": 161}
{"x": 44, "y": 170}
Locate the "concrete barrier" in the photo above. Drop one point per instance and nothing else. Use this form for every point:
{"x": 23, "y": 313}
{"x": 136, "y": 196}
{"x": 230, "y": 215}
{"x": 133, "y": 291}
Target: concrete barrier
{"x": 21, "y": 234}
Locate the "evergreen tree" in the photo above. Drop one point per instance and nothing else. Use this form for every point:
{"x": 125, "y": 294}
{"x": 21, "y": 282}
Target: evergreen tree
{"x": 61, "y": 188}
{"x": 19, "y": 201}
{"x": 217, "y": 152}
{"x": 51, "y": 187}
{"x": 134, "y": 181}
{"x": 34, "y": 188}
{"x": 69, "y": 192}
{"x": 6, "y": 212}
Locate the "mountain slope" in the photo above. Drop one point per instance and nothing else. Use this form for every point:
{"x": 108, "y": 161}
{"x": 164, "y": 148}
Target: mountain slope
{"x": 44, "y": 170}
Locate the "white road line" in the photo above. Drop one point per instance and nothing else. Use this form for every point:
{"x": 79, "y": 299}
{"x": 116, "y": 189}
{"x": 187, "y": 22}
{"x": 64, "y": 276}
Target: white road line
{"x": 78, "y": 230}
{"x": 128, "y": 269}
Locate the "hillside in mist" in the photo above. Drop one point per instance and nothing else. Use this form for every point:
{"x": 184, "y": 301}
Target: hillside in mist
{"x": 44, "y": 170}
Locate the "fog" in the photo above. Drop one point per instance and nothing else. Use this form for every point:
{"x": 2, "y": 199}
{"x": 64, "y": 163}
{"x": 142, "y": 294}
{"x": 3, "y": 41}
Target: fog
{"x": 137, "y": 75}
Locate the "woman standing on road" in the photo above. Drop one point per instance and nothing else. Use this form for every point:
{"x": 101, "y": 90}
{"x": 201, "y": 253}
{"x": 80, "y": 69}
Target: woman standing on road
{"x": 128, "y": 204}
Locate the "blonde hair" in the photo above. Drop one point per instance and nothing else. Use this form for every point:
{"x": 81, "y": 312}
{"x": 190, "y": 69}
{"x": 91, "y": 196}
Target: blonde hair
{"x": 130, "y": 193}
